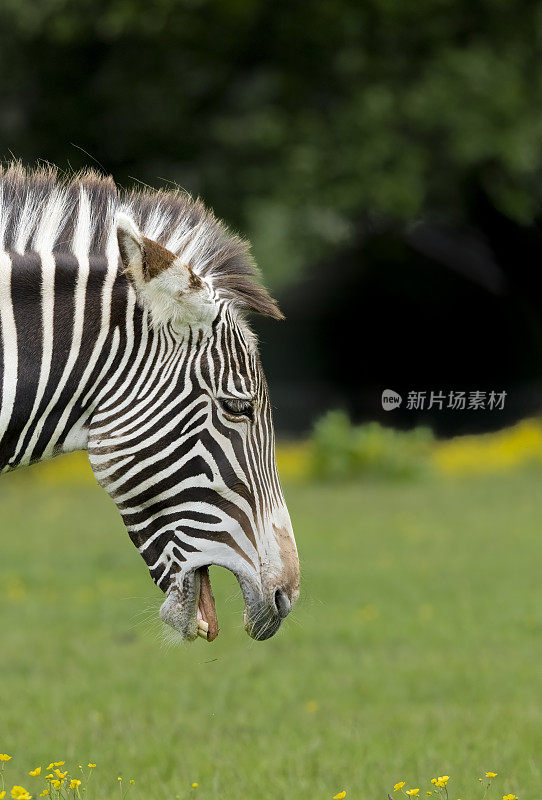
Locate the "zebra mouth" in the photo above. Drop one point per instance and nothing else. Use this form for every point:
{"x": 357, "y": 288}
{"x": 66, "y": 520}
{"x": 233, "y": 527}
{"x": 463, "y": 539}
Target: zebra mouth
{"x": 206, "y": 612}
{"x": 189, "y": 607}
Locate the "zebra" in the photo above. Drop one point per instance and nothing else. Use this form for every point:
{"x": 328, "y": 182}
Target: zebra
{"x": 124, "y": 333}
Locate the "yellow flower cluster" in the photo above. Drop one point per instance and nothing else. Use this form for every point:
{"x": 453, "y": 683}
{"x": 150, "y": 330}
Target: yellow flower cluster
{"x": 20, "y": 793}
{"x": 441, "y": 787}
{"x": 64, "y": 787}
{"x": 440, "y": 782}
{"x": 59, "y": 784}
{"x": 492, "y": 452}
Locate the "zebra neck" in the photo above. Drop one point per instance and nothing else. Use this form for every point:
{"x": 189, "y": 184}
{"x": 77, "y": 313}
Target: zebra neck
{"x": 64, "y": 331}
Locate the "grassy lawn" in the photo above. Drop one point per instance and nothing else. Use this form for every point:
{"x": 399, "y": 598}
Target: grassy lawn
{"x": 416, "y": 649}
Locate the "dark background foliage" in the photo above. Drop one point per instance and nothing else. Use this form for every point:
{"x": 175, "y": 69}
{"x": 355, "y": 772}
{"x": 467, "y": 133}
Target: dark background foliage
{"x": 384, "y": 157}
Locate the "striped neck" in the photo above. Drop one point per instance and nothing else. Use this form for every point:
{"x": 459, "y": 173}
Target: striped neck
{"x": 66, "y": 323}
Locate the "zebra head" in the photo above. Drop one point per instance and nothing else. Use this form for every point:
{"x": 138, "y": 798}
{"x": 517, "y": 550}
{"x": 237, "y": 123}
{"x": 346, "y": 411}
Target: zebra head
{"x": 186, "y": 450}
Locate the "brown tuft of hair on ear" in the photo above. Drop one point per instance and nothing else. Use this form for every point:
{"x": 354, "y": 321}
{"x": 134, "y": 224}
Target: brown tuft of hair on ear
{"x": 156, "y": 259}
{"x": 264, "y": 304}
{"x": 249, "y": 294}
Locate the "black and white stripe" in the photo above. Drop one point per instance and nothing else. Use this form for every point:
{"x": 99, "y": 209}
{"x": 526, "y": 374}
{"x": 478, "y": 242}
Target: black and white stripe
{"x": 141, "y": 374}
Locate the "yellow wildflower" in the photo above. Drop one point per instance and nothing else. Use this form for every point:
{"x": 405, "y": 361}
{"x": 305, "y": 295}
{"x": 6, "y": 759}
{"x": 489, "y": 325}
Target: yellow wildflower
{"x": 119, "y": 779}
{"x": 75, "y": 783}
{"x": 440, "y": 782}
{"x": 44, "y": 793}
{"x": 5, "y": 757}
{"x": 340, "y": 795}
{"x": 60, "y": 774}
{"x": 412, "y": 792}
{"x": 398, "y": 786}
{"x": 2, "y": 794}
{"x": 509, "y": 797}
{"x": 92, "y": 766}
{"x": 132, "y": 780}
{"x": 20, "y": 793}
{"x": 194, "y": 785}
{"x": 56, "y": 784}
{"x": 491, "y": 774}
{"x": 35, "y": 772}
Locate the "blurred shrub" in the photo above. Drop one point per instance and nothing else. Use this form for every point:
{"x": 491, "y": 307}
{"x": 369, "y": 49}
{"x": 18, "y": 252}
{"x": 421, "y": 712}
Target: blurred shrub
{"x": 342, "y": 451}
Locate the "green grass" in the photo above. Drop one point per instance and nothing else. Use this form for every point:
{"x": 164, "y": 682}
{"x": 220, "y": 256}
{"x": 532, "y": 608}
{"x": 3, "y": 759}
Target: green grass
{"x": 418, "y": 636}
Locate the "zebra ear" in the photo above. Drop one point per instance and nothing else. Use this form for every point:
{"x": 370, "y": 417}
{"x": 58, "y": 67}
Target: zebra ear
{"x": 169, "y": 288}
{"x": 143, "y": 259}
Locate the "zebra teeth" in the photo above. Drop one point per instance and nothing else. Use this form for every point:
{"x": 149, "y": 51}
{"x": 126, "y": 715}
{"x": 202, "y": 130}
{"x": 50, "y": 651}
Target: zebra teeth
{"x": 203, "y": 627}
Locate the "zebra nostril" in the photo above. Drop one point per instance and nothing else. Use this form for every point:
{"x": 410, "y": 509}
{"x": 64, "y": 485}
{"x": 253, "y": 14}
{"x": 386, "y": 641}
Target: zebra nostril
{"x": 282, "y": 603}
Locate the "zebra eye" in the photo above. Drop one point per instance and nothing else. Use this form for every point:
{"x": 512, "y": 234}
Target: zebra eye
{"x": 236, "y": 407}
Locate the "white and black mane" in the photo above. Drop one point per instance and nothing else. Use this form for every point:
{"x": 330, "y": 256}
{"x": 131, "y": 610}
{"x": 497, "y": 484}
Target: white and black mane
{"x": 41, "y": 203}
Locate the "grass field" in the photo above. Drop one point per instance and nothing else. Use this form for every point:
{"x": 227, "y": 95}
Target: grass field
{"x": 415, "y": 651}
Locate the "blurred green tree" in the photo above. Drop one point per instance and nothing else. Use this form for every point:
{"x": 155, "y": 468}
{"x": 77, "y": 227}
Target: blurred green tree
{"x": 301, "y": 121}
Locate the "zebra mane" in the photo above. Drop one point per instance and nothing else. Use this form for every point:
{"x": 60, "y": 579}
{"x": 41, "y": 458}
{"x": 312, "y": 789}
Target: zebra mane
{"x": 42, "y": 209}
